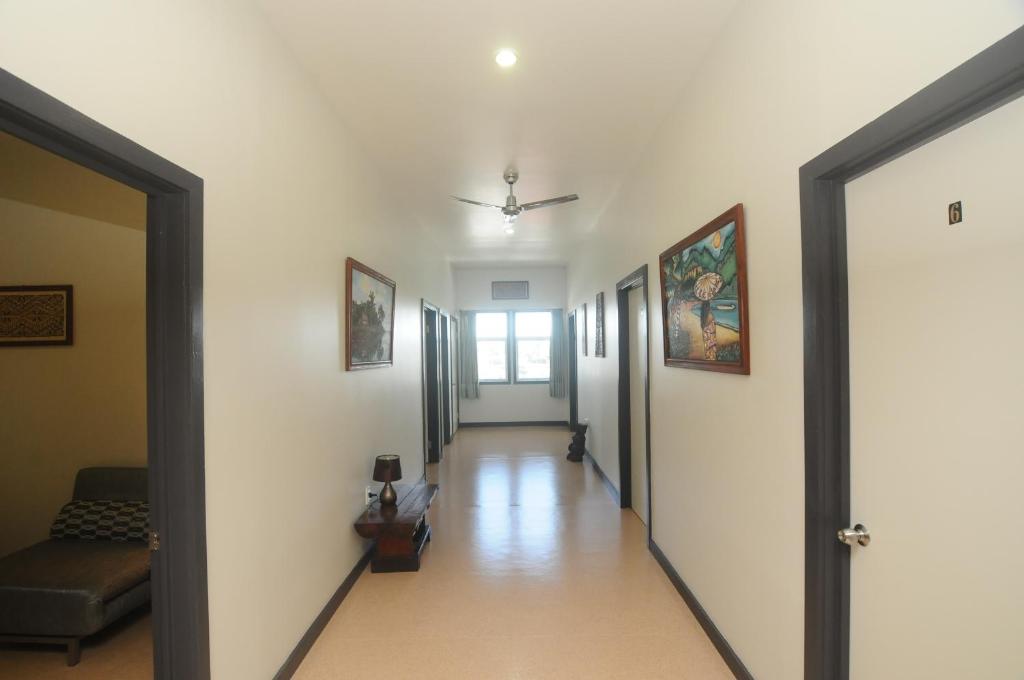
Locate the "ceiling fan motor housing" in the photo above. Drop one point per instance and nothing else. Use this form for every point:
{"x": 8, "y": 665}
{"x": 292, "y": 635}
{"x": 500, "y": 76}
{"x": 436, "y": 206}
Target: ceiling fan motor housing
{"x": 511, "y": 208}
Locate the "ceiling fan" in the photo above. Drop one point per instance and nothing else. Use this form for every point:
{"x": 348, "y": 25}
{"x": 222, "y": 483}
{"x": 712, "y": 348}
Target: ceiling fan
{"x": 511, "y": 209}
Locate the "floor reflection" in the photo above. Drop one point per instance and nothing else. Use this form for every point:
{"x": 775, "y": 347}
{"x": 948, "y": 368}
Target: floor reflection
{"x": 515, "y": 528}
{"x": 528, "y": 549}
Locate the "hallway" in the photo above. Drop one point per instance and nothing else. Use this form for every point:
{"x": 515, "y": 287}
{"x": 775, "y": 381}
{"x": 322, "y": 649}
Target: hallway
{"x": 533, "y": 573}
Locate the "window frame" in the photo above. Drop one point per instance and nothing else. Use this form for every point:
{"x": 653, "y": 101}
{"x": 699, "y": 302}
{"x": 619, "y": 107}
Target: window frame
{"x": 515, "y": 348}
{"x": 512, "y": 347}
{"x": 508, "y": 358}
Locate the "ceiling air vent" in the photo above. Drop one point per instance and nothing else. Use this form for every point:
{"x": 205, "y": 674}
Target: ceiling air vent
{"x": 510, "y": 290}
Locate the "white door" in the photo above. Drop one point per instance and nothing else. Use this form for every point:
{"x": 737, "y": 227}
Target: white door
{"x": 637, "y": 403}
{"x": 937, "y": 428}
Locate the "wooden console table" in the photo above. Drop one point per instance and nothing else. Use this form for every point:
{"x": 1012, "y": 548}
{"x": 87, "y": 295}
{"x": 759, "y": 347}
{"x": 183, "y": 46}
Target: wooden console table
{"x": 400, "y": 530}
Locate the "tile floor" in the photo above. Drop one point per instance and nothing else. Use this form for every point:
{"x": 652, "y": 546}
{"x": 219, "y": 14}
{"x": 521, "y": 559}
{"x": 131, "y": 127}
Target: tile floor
{"x": 124, "y": 651}
{"x": 533, "y": 573}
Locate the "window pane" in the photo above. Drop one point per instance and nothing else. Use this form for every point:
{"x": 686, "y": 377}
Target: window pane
{"x": 533, "y": 359}
{"x": 533, "y": 324}
{"x": 490, "y": 359}
{"x": 490, "y": 325}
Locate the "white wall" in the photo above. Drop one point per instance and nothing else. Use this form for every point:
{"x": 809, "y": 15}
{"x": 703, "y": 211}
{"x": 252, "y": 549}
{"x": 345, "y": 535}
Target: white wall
{"x": 511, "y": 403}
{"x": 786, "y": 80}
{"x": 290, "y": 436}
{"x": 69, "y": 407}
{"x": 597, "y": 377}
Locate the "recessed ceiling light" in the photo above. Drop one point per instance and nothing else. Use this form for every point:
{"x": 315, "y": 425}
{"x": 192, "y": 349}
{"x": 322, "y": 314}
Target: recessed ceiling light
{"x": 506, "y": 57}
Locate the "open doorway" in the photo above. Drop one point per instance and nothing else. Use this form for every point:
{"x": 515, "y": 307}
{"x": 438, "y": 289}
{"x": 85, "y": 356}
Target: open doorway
{"x": 73, "y": 358}
{"x": 169, "y": 546}
{"x": 455, "y": 347}
{"x": 446, "y": 378}
{"x": 634, "y": 396}
{"x": 433, "y": 408}
{"x": 574, "y": 405}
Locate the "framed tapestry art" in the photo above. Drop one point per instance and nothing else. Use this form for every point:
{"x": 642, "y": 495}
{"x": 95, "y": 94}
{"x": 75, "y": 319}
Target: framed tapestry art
{"x": 36, "y": 315}
{"x": 599, "y": 325}
{"x": 370, "y": 317}
{"x": 704, "y": 298}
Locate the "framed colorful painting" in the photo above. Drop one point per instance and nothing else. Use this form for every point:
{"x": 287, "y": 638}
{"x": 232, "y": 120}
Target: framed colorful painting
{"x": 36, "y": 315}
{"x": 704, "y": 298}
{"x": 370, "y": 315}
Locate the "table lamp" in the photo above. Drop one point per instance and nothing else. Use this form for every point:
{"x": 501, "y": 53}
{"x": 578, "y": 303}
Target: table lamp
{"x": 387, "y": 469}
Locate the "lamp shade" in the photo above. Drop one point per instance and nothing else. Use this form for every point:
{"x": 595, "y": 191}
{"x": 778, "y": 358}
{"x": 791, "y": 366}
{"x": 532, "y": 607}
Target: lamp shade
{"x": 388, "y": 468}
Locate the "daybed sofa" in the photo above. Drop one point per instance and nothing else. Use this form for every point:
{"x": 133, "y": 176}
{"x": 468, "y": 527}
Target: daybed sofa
{"x": 93, "y": 570}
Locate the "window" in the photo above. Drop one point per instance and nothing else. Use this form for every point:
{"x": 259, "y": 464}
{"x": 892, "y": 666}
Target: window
{"x": 513, "y": 347}
{"x": 533, "y": 346}
{"x": 492, "y": 346}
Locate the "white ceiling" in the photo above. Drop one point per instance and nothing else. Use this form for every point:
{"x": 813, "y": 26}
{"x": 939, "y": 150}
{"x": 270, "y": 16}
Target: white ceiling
{"x": 416, "y": 81}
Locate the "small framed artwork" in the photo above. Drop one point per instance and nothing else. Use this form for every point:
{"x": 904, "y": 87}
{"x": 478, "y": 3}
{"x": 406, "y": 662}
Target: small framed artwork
{"x": 583, "y": 327}
{"x": 36, "y": 315}
{"x": 704, "y": 298}
{"x": 599, "y": 325}
{"x": 370, "y": 317}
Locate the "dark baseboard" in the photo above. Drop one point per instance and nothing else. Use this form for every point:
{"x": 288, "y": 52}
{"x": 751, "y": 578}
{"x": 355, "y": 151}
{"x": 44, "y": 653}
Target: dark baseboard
{"x": 604, "y": 478}
{"x": 294, "y": 659}
{"x": 717, "y": 639}
{"x": 521, "y": 423}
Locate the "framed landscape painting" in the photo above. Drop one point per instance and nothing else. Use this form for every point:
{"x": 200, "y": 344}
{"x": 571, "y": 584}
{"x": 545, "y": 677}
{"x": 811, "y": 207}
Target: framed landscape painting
{"x": 704, "y": 298}
{"x": 370, "y": 317}
{"x": 36, "y": 315}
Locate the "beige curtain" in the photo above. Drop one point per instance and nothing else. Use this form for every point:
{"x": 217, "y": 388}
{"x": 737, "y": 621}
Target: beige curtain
{"x": 469, "y": 378}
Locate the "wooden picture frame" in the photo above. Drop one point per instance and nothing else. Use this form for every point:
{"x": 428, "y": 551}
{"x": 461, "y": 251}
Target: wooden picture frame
{"x": 35, "y": 316}
{"x": 599, "y": 325}
{"x": 369, "y": 322}
{"x": 702, "y": 276}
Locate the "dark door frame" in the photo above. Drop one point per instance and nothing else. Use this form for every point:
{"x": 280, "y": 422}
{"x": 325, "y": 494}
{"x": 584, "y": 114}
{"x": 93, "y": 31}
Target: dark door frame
{"x": 456, "y": 353}
{"x": 980, "y": 85}
{"x": 174, "y": 359}
{"x": 425, "y": 307}
{"x": 574, "y": 396}
{"x": 445, "y": 356}
{"x": 637, "y": 279}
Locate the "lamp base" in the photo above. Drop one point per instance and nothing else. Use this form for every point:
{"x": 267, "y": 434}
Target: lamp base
{"x": 388, "y": 495}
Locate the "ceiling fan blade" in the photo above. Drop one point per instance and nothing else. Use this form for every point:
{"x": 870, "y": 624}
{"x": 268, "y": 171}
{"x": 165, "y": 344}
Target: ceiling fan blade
{"x": 486, "y": 205}
{"x": 549, "y": 201}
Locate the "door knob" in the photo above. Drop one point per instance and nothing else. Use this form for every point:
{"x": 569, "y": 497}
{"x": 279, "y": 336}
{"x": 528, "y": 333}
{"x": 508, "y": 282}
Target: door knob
{"x": 858, "y": 534}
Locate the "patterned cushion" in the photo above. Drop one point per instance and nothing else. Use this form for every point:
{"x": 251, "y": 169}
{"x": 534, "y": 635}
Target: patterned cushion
{"x": 102, "y": 521}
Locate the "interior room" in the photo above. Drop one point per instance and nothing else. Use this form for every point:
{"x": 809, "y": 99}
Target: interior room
{"x": 74, "y": 465}
{"x": 490, "y": 341}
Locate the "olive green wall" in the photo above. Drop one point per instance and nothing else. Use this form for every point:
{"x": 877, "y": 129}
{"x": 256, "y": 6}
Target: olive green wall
{"x": 67, "y": 407}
